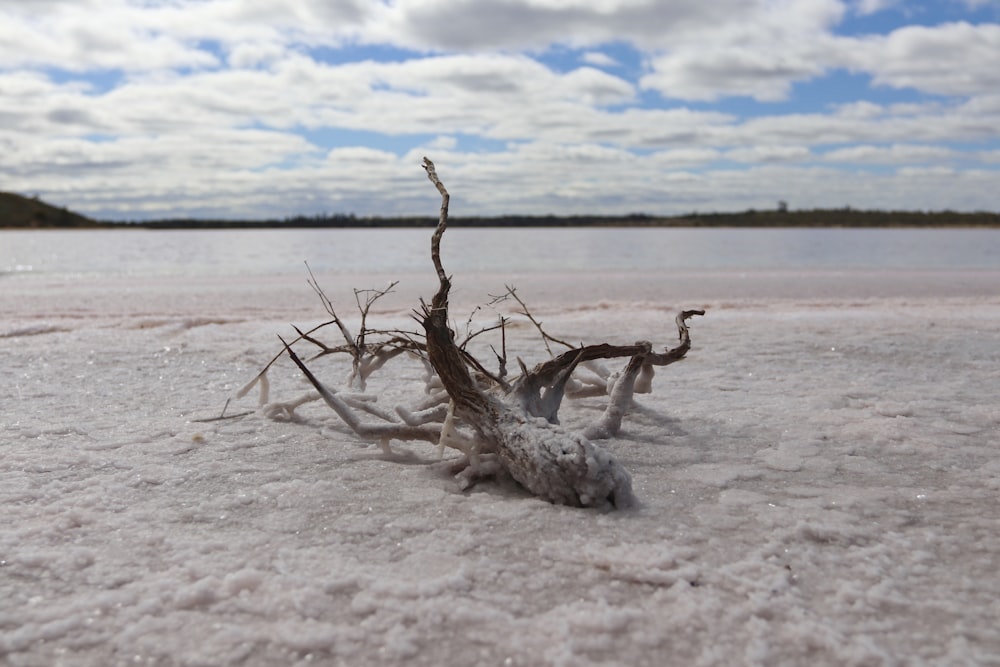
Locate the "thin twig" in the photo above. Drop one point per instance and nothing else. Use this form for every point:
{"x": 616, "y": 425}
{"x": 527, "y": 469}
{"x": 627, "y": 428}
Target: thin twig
{"x": 328, "y": 305}
{"x": 538, "y": 325}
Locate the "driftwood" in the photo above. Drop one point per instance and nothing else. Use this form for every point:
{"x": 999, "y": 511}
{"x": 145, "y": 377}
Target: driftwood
{"x": 498, "y": 424}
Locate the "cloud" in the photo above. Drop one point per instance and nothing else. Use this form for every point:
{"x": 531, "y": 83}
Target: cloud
{"x": 599, "y": 59}
{"x": 759, "y": 56}
{"x": 735, "y": 71}
{"x": 866, "y": 7}
{"x": 87, "y": 35}
{"x": 890, "y": 155}
{"x": 762, "y": 154}
{"x": 247, "y": 107}
{"x": 950, "y": 59}
{"x": 478, "y": 25}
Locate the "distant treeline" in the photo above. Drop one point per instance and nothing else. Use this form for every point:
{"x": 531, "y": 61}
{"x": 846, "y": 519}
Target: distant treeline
{"x": 840, "y": 217}
{"x": 17, "y": 211}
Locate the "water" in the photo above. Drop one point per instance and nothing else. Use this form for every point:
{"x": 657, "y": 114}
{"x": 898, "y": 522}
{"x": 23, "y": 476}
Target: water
{"x": 50, "y": 253}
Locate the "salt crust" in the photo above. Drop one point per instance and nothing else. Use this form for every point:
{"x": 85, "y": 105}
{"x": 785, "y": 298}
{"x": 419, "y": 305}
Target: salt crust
{"x": 823, "y": 491}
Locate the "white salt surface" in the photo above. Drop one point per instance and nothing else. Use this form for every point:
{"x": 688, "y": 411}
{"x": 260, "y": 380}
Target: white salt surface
{"x": 818, "y": 482}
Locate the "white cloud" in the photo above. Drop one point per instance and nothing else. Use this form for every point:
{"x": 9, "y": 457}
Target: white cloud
{"x": 866, "y": 7}
{"x": 949, "y": 59}
{"x": 255, "y": 54}
{"x": 599, "y": 59}
{"x": 86, "y": 35}
{"x": 478, "y": 25}
{"x": 763, "y": 154}
{"x": 193, "y": 140}
{"x": 758, "y": 56}
{"x": 889, "y": 155}
{"x": 221, "y": 106}
{"x": 737, "y": 71}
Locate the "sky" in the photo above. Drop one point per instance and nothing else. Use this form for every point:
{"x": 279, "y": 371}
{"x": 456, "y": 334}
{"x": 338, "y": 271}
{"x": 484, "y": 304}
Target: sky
{"x": 145, "y": 109}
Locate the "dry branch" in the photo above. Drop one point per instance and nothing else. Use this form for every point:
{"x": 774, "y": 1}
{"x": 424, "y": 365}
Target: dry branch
{"x": 499, "y": 424}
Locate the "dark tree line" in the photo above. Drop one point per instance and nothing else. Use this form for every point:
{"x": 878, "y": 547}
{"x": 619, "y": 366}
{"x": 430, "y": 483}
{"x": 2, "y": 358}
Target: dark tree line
{"x": 781, "y": 217}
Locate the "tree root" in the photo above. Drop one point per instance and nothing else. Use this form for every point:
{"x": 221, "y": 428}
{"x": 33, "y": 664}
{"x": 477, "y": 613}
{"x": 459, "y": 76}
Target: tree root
{"x": 497, "y": 424}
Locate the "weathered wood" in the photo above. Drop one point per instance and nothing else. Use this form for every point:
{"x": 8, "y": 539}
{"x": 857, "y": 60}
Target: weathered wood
{"x": 498, "y": 424}
{"x": 547, "y": 460}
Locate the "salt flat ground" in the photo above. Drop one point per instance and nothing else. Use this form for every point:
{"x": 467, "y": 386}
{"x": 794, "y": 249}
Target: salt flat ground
{"x": 819, "y": 483}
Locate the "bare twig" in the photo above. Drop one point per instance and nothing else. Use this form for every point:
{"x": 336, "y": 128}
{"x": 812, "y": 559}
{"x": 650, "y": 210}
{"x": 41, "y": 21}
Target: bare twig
{"x": 538, "y": 325}
{"x": 498, "y": 424}
{"x": 328, "y": 305}
{"x": 371, "y": 296}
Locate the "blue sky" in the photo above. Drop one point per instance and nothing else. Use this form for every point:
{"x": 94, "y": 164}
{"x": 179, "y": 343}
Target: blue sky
{"x": 129, "y": 109}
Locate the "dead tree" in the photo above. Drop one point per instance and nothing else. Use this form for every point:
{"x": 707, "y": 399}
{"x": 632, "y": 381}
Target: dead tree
{"x": 498, "y": 424}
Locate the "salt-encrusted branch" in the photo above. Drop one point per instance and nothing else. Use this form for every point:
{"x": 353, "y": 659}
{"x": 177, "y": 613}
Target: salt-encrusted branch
{"x": 639, "y": 366}
{"x": 261, "y": 378}
{"x": 446, "y": 358}
{"x": 381, "y": 432}
{"x": 442, "y": 225}
{"x": 550, "y": 462}
{"x": 497, "y": 424}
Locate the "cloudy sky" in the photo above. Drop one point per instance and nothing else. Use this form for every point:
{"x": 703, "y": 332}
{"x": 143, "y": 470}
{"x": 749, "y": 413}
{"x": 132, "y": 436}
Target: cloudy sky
{"x": 135, "y": 109}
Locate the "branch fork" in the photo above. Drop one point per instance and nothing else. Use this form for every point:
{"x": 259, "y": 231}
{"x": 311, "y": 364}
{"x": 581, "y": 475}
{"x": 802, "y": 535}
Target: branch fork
{"x": 498, "y": 424}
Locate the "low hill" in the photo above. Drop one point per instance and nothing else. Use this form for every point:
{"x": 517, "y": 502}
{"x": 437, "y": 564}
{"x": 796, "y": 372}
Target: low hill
{"x": 17, "y": 211}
